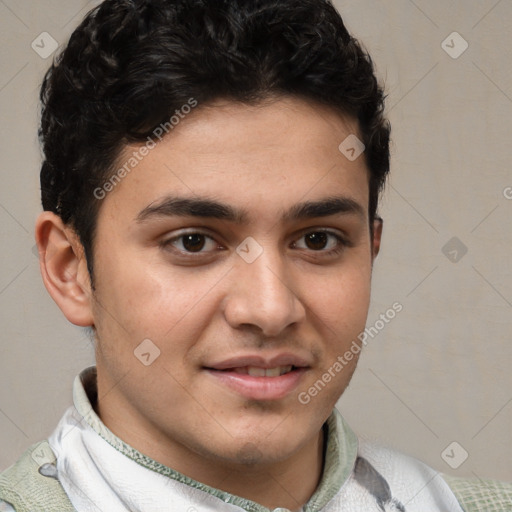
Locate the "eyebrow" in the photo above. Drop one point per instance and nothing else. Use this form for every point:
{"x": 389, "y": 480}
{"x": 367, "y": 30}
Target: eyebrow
{"x": 208, "y": 208}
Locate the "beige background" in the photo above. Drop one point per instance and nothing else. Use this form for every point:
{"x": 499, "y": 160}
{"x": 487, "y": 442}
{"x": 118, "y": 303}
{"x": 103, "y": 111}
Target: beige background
{"x": 440, "y": 371}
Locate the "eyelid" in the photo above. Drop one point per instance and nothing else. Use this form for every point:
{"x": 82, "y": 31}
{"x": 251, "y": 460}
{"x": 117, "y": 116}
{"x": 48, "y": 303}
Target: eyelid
{"x": 178, "y": 233}
{"x": 322, "y": 229}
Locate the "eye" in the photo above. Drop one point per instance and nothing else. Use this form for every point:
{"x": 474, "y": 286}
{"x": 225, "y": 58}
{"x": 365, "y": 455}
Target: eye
{"x": 191, "y": 243}
{"x": 321, "y": 241}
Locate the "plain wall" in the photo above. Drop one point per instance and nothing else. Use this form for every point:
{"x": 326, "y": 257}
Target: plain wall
{"x": 438, "y": 372}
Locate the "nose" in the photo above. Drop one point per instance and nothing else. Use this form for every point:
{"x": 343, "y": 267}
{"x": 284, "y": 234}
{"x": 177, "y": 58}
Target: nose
{"x": 261, "y": 295}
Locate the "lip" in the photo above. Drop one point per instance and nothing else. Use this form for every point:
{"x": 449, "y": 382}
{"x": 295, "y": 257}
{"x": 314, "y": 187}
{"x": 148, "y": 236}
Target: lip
{"x": 283, "y": 359}
{"x": 259, "y": 388}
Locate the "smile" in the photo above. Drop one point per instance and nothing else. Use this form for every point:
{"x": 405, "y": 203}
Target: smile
{"x": 257, "y": 383}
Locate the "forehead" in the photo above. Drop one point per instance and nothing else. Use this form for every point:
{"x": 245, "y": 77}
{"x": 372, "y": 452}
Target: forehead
{"x": 261, "y": 159}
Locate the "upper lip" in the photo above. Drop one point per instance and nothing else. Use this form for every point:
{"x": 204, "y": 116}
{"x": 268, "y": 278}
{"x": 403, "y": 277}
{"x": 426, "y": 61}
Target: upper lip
{"x": 261, "y": 361}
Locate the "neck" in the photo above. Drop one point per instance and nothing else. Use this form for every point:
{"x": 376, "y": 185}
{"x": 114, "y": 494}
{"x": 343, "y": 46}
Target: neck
{"x": 288, "y": 484}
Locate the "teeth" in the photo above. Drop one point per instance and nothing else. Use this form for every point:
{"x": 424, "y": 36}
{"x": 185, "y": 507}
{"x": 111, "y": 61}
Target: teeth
{"x": 255, "y": 371}
{"x": 273, "y": 372}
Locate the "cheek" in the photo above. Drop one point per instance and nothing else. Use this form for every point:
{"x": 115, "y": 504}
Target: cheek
{"x": 139, "y": 299}
{"x": 341, "y": 300}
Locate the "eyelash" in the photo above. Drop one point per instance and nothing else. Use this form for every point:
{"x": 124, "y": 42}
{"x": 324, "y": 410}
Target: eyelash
{"x": 342, "y": 243}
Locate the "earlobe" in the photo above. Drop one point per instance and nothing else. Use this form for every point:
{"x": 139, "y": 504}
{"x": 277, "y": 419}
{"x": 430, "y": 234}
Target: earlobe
{"x": 378, "y": 224}
{"x": 64, "y": 269}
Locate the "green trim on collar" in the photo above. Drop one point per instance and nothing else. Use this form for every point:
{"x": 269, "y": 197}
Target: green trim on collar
{"x": 341, "y": 451}
{"x": 340, "y": 457}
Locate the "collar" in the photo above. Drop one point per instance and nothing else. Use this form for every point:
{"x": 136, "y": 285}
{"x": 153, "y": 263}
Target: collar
{"x": 340, "y": 453}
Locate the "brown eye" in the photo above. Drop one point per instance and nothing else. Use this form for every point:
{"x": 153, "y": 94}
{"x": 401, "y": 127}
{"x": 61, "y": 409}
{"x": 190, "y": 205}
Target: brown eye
{"x": 316, "y": 241}
{"x": 325, "y": 243}
{"x": 193, "y": 242}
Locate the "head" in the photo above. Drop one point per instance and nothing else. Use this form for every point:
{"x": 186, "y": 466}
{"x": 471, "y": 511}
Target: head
{"x": 195, "y": 197}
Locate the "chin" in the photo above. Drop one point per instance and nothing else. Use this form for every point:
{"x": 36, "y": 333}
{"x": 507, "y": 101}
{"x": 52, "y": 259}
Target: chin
{"x": 255, "y": 450}
{"x": 270, "y": 449}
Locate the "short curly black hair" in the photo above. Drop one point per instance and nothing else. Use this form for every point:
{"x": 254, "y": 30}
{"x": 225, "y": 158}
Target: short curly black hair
{"x": 131, "y": 63}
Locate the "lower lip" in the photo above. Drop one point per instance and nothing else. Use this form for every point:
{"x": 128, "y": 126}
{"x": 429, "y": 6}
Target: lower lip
{"x": 260, "y": 388}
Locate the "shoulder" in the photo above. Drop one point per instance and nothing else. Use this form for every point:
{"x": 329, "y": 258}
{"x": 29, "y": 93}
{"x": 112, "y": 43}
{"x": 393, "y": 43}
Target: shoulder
{"x": 471, "y": 495}
{"x": 481, "y": 495}
{"x": 32, "y": 483}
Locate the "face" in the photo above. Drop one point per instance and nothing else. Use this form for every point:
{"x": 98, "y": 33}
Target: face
{"x": 240, "y": 248}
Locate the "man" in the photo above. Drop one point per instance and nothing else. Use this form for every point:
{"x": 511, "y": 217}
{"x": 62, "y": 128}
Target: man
{"x": 210, "y": 188}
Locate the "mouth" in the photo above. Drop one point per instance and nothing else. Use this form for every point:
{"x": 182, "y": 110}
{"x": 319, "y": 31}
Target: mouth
{"x": 256, "y": 371}
{"x": 254, "y": 378}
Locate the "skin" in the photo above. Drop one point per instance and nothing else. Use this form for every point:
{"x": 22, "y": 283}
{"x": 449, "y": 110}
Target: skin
{"x": 199, "y": 308}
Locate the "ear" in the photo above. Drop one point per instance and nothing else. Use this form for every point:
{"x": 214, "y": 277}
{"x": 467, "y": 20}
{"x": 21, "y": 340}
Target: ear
{"x": 64, "y": 268}
{"x": 378, "y": 224}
